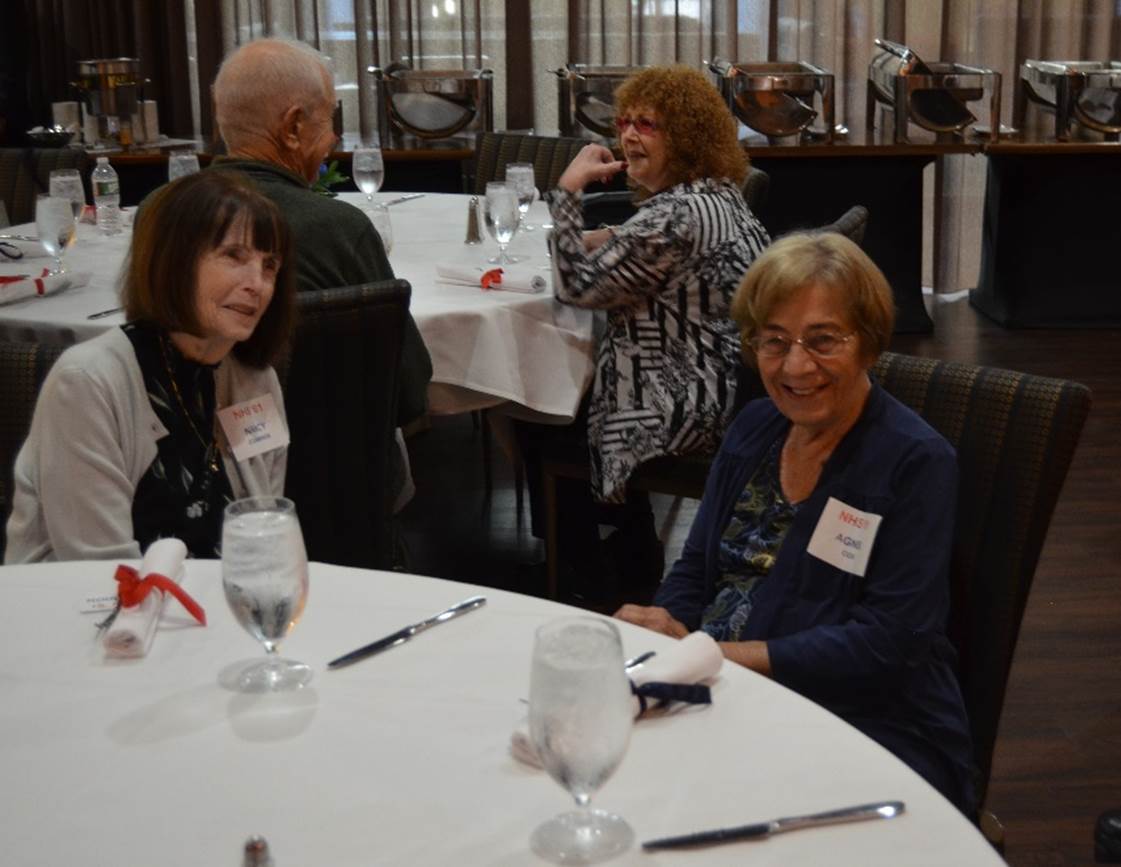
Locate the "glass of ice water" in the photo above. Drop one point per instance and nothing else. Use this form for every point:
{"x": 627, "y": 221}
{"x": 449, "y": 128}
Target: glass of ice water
{"x": 500, "y": 213}
{"x": 180, "y": 164}
{"x": 67, "y": 184}
{"x": 580, "y": 717}
{"x": 379, "y": 216}
{"x": 54, "y": 220}
{"x": 520, "y": 177}
{"x": 368, "y": 169}
{"x": 265, "y": 576}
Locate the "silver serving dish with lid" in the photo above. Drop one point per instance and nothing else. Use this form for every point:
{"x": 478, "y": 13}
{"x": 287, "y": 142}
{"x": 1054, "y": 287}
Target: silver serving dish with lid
{"x": 1088, "y": 91}
{"x": 432, "y": 104}
{"x": 777, "y": 99}
{"x": 932, "y": 95}
{"x": 112, "y": 89}
{"x": 586, "y": 99}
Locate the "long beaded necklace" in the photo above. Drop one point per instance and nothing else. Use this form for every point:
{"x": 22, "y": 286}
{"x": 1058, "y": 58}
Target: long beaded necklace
{"x": 210, "y": 457}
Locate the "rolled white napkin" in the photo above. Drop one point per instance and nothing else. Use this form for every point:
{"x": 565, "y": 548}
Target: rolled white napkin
{"x": 131, "y": 633}
{"x": 45, "y": 284}
{"x": 506, "y": 278}
{"x": 26, "y": 249}
{"x": 695, "y": 658}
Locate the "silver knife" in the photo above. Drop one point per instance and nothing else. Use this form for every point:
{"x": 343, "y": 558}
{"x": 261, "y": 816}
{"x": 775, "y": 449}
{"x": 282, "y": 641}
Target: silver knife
{"x": 880, "y": 810}
{"x": 403, "y": 635}
{"x": 406, "y": 198}
{"x": 101, "y": 314}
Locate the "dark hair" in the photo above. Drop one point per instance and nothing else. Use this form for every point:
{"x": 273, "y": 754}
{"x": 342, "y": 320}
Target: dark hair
{"x": 177, "y": 225}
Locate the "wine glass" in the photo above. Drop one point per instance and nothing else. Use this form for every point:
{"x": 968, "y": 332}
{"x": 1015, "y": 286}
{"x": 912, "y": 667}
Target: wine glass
{"x": 54, "y": 218}
{"x": 368, "y": 169}
{"x": 379, "y": 216}
{"x": 67, "y": 184}
{"x": 500, "y": 213}
{"x": 180, "y": 164}
{"x": 521, "y": 177}
{"x": 265, "y": 576}
{"x": 580, "y": 717}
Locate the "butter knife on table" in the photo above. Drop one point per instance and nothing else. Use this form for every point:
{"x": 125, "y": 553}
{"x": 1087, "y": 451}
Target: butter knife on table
{"x": 403, "y": 635}
{"x": 408, "y": 197}
{"x": 880, "y": 810}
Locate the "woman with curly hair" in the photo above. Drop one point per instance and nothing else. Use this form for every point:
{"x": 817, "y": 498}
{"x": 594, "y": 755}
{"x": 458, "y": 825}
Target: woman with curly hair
{"x": 666, "y": 372}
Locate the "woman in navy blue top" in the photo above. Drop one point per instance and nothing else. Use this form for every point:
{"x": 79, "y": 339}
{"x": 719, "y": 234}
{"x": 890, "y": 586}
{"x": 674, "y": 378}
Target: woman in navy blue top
{"x": 820, "y": 552}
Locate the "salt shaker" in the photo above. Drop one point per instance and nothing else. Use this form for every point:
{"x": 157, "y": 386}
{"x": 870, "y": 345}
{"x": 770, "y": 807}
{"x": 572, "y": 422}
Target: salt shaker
{"x": 473, "y": 234}
{"x": 257, "y": 853}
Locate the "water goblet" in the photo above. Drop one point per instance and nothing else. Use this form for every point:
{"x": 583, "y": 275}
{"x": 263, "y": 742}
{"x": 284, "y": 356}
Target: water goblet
{"x": 500, "y": 213}
{"x": 265, "y": 576}
{"x": 67, "y": 184}
{"x": 54, "y": 219}
{"x": 521, "y": 177}
{"x": 379, "y": 216}
{"x": 180, "y": 164}
{"x": 368, "y": 169}
{"x": 580, "y": 718}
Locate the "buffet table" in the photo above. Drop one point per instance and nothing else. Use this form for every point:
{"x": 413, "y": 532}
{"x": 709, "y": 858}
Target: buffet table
{"x": 401, "y": 758}
{"x": 487, "y": 348}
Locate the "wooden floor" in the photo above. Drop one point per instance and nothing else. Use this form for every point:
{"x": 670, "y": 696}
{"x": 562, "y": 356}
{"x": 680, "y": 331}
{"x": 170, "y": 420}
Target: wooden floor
{"x": 1058, "y": 758}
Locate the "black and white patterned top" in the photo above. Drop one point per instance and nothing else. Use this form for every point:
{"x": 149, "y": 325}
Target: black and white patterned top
{"x": 666, "y": 373}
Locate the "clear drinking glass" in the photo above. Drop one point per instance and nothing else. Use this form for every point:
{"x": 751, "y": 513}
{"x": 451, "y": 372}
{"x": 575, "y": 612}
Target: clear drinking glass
{"x": 580, "y": 717}
{"x": 54, "y": 219}
{"x": 181, "y": 163}
{"x": 265, "y": 576}
{"x": 368, "y": 169}
{"x": 379, "y": 216}
{"x": 520, "y": 176}
{"x": 500, "y": 213}
{"x": 67, "y": 184}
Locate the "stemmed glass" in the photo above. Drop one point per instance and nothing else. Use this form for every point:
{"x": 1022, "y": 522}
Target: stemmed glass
{"x": 500, "y": 213}
{"x": 54, "y": 219}
{"x": 181, "y": 164}
{"x": 379, "y": 216}
{"x": 67, "y": 184}
{"x": 521, "y": 177}
{"x": 368, "y": 169}
{"x": 580, "y": 717}
{"x": 265, "y": 576}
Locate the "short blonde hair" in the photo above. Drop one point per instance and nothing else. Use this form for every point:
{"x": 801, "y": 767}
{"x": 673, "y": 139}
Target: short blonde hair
{"x": 700, "y": 130}
{"x": 804, "y": 259}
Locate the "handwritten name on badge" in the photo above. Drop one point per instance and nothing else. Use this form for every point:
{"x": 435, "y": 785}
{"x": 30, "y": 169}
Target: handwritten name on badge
{"x": 844, "y": 536}
{"x": 253, "y": 427}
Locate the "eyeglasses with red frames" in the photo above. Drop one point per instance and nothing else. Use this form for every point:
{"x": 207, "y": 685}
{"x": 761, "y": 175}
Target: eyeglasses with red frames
{"x": 642, "y": 125}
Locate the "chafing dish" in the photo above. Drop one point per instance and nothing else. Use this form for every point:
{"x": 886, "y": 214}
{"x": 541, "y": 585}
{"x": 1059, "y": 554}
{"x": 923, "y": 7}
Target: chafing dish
{"x": 586, "y": 99}
{"x": 432, "y": 104}
{"x": 111, "y": 88}
{"x": 933, "y": 95}
{"x": 776, "y": 99}
{"x": 1088, "y": 91}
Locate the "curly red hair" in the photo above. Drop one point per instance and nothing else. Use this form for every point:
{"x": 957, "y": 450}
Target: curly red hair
{"x": 700, "y": 130}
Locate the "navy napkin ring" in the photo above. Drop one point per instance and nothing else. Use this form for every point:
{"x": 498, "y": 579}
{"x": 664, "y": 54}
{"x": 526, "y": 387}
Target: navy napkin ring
{"x": 664, "y": 693}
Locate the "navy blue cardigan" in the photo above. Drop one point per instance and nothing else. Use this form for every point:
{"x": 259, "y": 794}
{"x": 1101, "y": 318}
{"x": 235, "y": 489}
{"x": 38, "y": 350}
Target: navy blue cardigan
{"x": 872, "y": 650}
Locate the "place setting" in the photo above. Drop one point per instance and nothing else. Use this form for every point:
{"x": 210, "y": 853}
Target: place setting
{"x": 23, "y": 273}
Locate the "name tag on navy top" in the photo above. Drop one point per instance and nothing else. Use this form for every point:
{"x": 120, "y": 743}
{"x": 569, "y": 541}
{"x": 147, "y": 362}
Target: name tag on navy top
{"x": 843, "y": 537}
{"x": 253, "y": 427}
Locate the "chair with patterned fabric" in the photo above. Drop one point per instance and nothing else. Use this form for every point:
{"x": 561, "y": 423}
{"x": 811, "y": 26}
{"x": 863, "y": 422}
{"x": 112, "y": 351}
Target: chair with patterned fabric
{"x": 755, "y": 188}
{"x": 340, "y": 388}
{"x": 550, "y": 157}
{"x": 25, "y": 173}
{"x": 23, "y": 367}
{"x": 1015, "y": 436}
{"x": 851, "y": 224}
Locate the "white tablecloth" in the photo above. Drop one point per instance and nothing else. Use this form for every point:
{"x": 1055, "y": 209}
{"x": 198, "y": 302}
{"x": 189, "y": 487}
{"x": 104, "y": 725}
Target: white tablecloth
{"x": 399, "y": 759}
{"x": 486, "y": 347}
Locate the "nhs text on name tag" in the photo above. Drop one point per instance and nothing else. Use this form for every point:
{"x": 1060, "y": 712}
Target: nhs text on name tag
{"x": 253, "y": 427}
{"x": 843, "y": 536}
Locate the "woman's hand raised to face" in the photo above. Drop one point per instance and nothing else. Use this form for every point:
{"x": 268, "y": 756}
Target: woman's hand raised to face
{"x": 654, "y": 618}
{"x": 593, "y": 163}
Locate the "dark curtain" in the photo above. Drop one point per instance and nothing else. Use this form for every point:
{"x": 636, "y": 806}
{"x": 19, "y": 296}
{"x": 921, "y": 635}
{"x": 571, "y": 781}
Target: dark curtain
{"x": 58, "y": 33}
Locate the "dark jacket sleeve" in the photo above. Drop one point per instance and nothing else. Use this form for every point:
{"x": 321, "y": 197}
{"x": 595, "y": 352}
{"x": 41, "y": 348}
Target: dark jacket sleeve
{"x": 902, "y": 607}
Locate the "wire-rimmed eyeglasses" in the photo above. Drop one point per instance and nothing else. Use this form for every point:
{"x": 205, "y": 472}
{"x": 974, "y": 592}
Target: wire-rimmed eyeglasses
{"x": 642, "y": 125}
{"x": 822, "y": 344}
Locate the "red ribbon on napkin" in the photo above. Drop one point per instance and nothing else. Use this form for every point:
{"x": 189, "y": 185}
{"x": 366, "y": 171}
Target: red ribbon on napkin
{"x": 131, "y": 590}
{"x": 39, "y": 287}
{"x": 493, "y": 277}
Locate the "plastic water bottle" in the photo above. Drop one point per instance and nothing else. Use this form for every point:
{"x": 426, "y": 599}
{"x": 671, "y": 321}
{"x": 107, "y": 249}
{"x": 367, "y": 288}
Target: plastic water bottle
{"x": 107, "y": 197}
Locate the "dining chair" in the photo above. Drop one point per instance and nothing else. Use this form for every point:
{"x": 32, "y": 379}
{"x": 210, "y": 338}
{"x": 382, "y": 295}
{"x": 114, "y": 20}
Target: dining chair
{"x": 851, "y": 224}
{"x": 550, "y": 156}
{"x": 25, "y": 173}
{"x": 23, "y": 367}
{"x": 755, "y": 187}
{"x": 340, "y": 386}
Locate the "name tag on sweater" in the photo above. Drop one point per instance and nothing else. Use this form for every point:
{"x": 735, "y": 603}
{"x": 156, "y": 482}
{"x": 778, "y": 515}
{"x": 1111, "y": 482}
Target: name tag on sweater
{"x": 843, "y": 537}
{"x": 253, "y": 427}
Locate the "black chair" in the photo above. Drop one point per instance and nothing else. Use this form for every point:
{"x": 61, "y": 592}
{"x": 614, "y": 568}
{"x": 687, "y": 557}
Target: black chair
{"x": 755, "y": 188}
{"x": 341, "y": 387}
{"x": 25, "y": 173}
{"x": 550, "y": 156}
{"x": 23, "y": 367}
{"x": 851, "y": 224}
